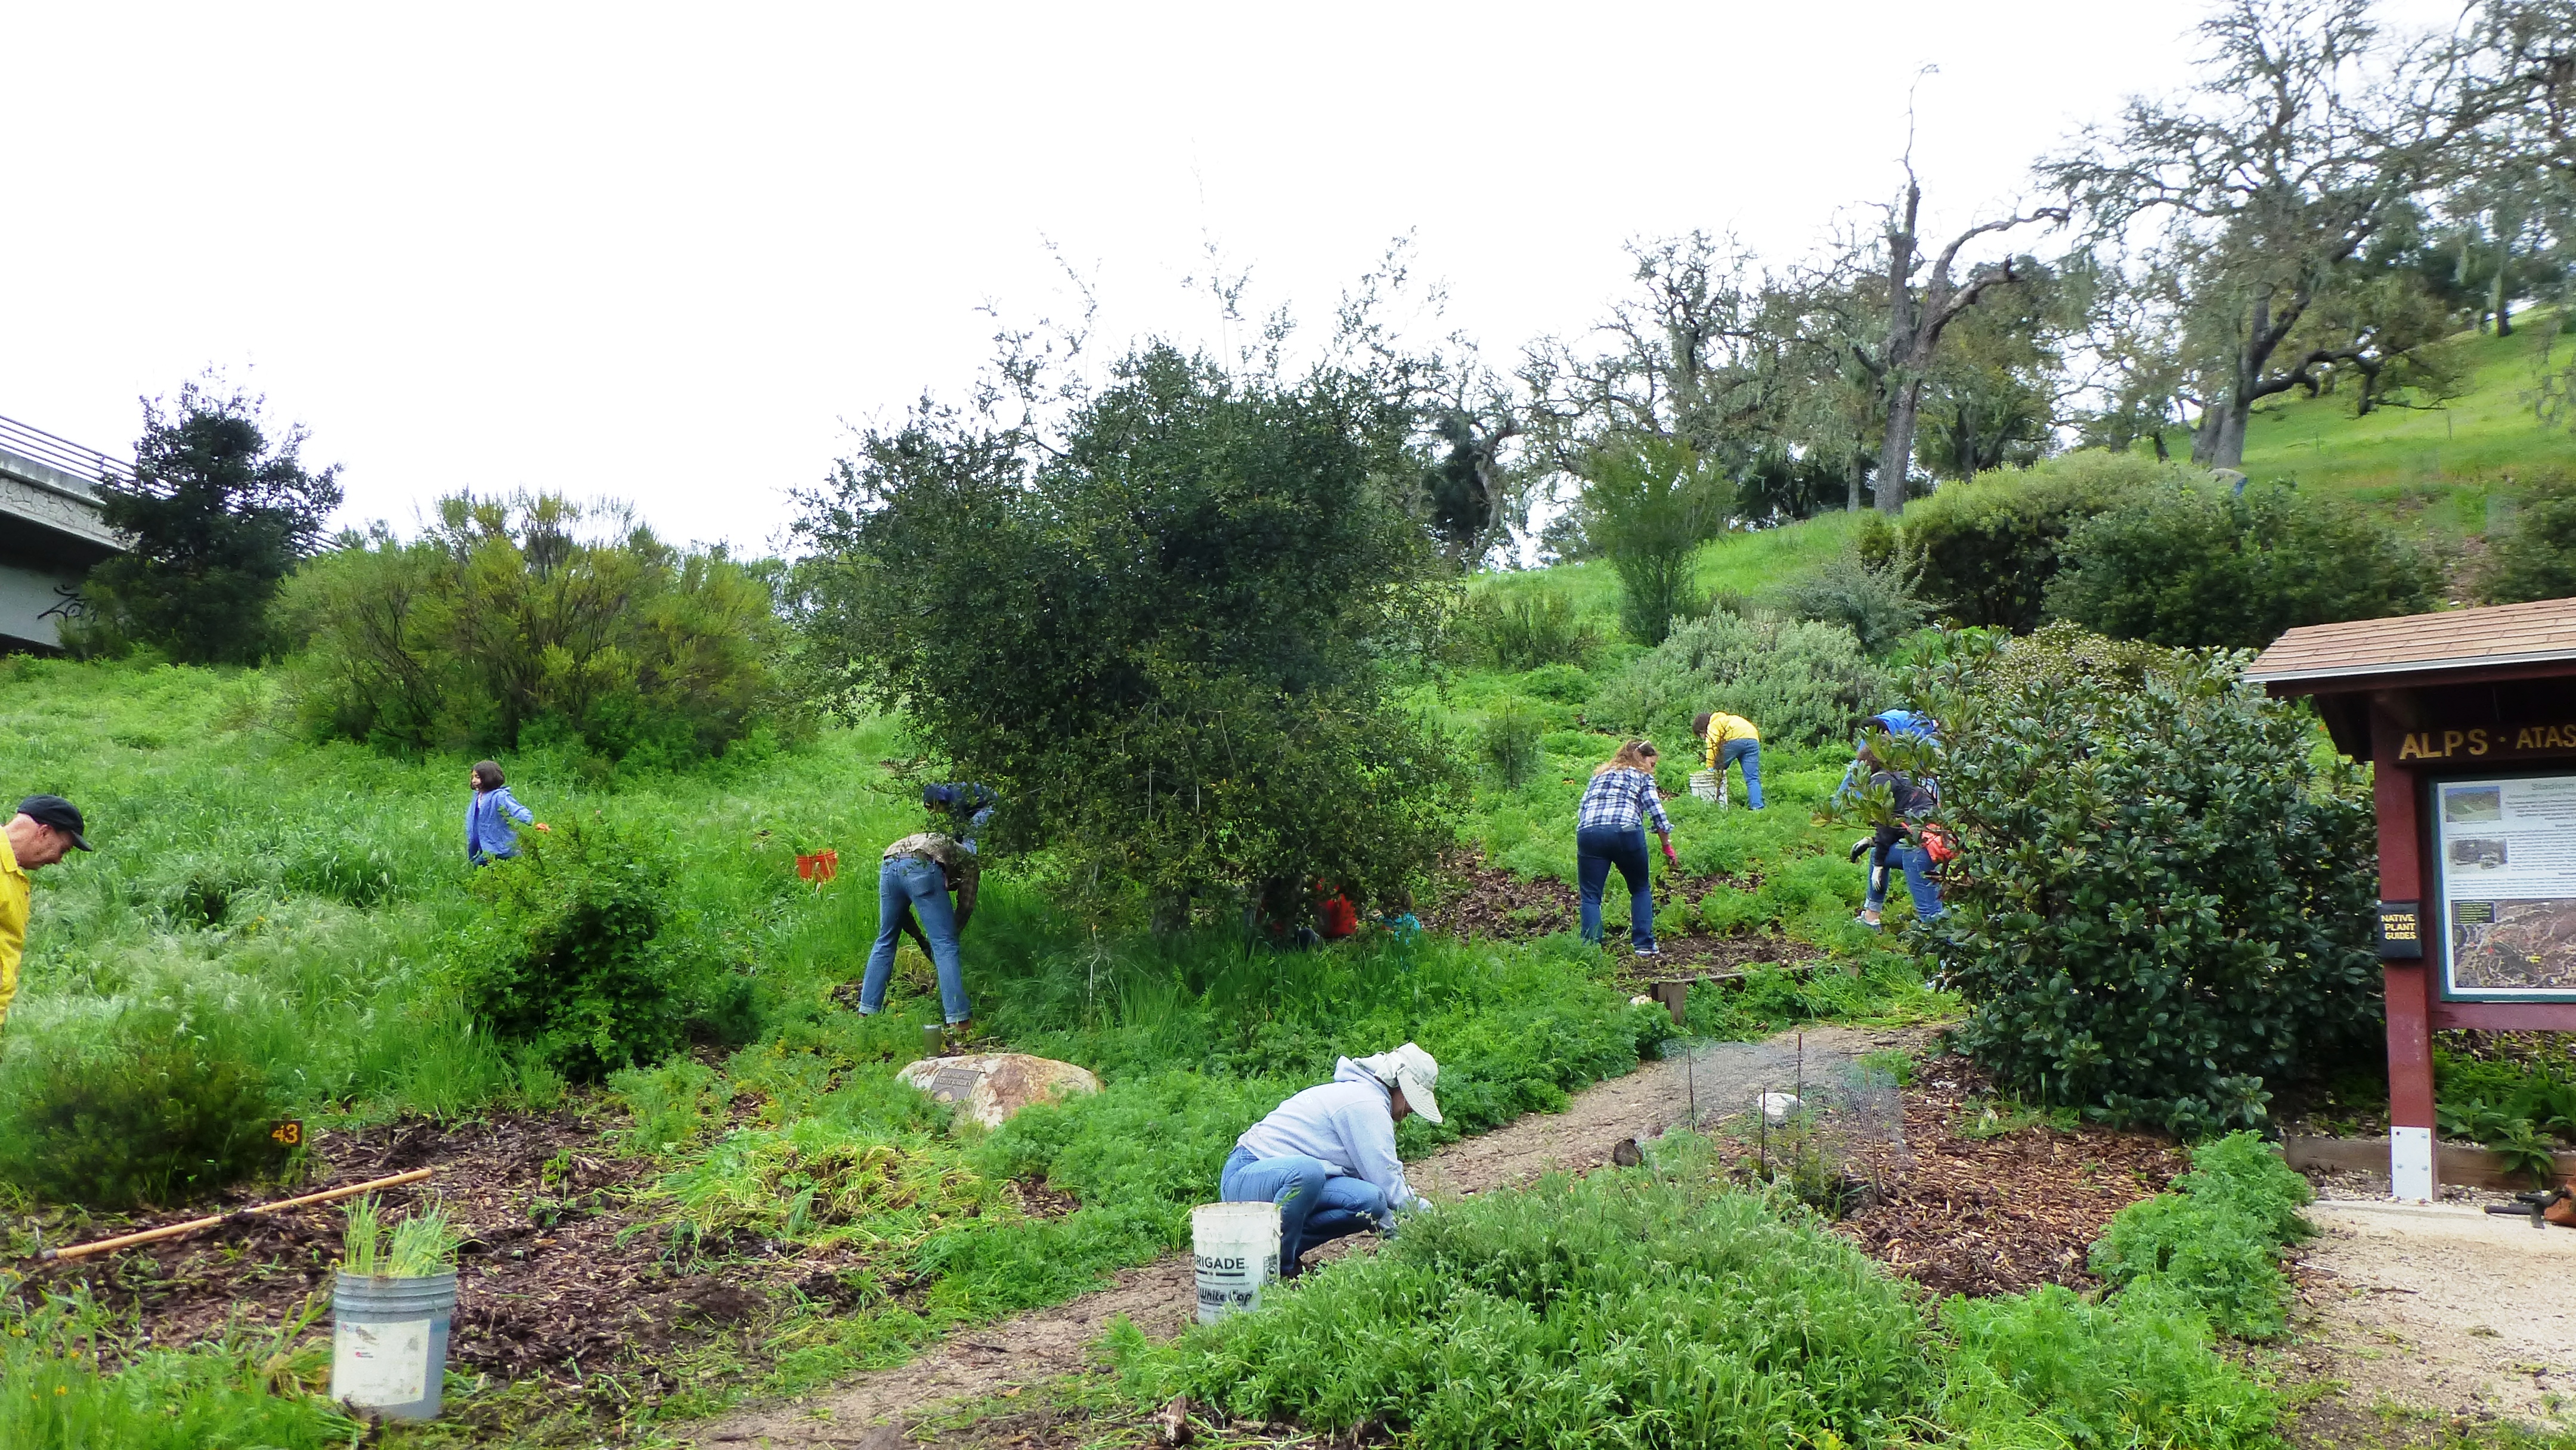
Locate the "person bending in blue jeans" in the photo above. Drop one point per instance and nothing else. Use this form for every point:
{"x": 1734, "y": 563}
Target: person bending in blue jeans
{"x": 1327, "y": 1155}
{"x": 1607, "y": 833}
{"x": 913, "y": 882}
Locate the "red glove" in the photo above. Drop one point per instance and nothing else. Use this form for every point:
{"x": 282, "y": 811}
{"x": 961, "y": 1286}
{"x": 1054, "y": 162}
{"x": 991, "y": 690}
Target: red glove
{"x": 1669, "y": 856}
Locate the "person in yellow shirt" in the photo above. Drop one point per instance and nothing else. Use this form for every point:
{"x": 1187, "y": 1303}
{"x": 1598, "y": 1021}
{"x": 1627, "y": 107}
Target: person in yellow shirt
{"x": 1732, "y": 739}
{"x": 46, "y": 828}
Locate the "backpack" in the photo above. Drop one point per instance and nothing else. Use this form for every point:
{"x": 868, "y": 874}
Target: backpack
{"x": 1912, "y": 723}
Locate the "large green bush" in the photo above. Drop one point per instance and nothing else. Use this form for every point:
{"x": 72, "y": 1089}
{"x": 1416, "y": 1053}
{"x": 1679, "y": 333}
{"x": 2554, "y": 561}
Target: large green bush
{"x": 1163, "y": 635}
{"x": 2536, "y": 557}
{"x": 1987, "y": 548}
{"x": 1649, "y": 503}
{"x": 571, "y": 961}
{"x": 1874, "y": 600}
{"x": 510, "y": 619}
{"x": 2196, "y": 565}
{"x": 2163, "y": 900}
{"x": 1524, "y": 629}
{"x": 1799, "y": 682}
{"x": 162, "y": 1102}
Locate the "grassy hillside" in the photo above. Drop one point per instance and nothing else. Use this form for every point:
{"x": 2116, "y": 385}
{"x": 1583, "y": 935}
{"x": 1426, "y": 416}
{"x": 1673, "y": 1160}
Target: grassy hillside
{"x": 2434, "y": 469}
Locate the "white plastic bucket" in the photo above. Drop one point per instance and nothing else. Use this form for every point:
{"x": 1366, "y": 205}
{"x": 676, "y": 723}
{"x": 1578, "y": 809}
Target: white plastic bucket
{"x": 1236, "y": 1248}
{"x": 389, "y": 1343}
{"x": 1709, "y": 785}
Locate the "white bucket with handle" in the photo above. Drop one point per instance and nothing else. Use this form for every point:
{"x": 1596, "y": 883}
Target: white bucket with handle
{"x": 1709, "y": 785}
{"x": 1236, "y": 1249}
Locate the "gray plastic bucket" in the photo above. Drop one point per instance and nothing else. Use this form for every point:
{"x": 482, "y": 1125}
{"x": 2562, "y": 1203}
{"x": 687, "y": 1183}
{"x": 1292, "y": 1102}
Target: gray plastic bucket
{"x": 389, "y": 1343}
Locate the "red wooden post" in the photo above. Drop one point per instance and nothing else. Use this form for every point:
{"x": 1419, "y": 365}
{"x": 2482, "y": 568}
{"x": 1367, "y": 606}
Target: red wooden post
{"x": 2407, "y": 985}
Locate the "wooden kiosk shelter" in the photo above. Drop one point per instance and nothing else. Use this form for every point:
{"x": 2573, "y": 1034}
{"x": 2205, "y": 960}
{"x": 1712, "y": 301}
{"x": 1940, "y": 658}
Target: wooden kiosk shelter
{"x": 2469, "y": 721}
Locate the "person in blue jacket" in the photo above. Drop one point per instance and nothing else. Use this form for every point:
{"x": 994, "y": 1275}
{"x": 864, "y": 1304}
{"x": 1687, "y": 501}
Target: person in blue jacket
{"x": 1327, "y": 1155}
{"x": 489, "y": 836}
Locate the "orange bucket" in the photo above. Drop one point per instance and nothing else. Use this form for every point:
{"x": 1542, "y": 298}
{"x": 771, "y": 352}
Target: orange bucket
{"x": 819, "y": 867}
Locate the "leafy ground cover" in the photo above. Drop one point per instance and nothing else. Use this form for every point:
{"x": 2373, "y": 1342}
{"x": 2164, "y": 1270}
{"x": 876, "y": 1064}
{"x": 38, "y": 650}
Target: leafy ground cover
{"x": 1668, "y": 1305}
{"x": 759, "y": 1214}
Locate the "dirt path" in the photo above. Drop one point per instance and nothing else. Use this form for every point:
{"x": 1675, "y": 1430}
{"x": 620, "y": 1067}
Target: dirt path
{"x": 2443, "y": 1309}
{"x": 1719, "y": 1079}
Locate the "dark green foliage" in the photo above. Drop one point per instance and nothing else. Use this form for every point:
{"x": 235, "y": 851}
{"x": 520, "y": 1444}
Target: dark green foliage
{"x": 2162, "y": 900}
{"x": 1162, "y": 637}
{"x": 1510, "y": 738}
{"x": 1874, "y": 601}
{"x": 163, "y": 1104}
{"x": 1988, "y": 548}
{"x": 219, "y": 513}
{"x": 571, "y": 962}
{"x": 2214, "y": 1243}
{"x": 1798, "y": 682}
{"x": 2518, "y": 1111}
{"x": 1648, "y": 504}
{"x": 1624, "y": 1308}
{"x": 2194, "y": 565}
{"x": 505, "y": 625}
{"x": 2536, "y": 557}
{"x": 1525, "y": 629}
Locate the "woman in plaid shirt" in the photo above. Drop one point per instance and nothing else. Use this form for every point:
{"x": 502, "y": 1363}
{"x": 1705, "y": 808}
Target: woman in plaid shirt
{"x": 1620, "y": 798}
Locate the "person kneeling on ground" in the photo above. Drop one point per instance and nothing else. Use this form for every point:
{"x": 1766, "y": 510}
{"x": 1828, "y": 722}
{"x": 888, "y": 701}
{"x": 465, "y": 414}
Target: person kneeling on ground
{"x": 1327, "y": 1155}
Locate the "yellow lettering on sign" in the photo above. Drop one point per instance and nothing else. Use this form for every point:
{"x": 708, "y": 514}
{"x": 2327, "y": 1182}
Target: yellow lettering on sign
{"x": 2411, "y": 747}
{"x": 2451, "y": 740}
{"x": 2522, "y": 739}
{"x": 2477, "y": 742}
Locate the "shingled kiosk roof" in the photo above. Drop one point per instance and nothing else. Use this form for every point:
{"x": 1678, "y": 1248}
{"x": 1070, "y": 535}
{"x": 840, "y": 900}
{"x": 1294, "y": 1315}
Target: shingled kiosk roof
{"x": 2341, "y": 665}
{"x": 2367, "y": 652}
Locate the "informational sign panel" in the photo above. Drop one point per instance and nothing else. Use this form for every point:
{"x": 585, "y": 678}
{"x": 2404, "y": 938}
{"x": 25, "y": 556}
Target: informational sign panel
{"x": 2505, "y": 855}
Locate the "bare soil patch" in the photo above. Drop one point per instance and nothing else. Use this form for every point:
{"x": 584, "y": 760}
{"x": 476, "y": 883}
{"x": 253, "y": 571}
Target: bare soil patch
{"x": 550, "y": 1291}
{"x": 1478, "y": 899}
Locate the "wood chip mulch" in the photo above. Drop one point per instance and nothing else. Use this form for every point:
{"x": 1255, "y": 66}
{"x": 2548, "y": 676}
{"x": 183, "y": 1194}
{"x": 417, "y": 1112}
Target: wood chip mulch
{"x": 547, "y": 1288}
{"x": 1999, "y": 1215}
{"x": 1477, "y": 899}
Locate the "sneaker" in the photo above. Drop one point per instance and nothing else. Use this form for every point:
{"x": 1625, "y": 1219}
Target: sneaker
{"x": 1868, "y": 919}
{"x": 1648, "y": 952}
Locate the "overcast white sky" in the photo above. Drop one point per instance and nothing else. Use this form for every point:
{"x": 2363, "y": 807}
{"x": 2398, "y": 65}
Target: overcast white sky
{"x": 671, "y": 255}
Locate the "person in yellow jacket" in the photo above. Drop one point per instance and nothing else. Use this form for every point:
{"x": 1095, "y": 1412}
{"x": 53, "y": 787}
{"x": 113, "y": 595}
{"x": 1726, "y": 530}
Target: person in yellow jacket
{"x": 1730, "y": 739}
{"x": 46, "y": 828}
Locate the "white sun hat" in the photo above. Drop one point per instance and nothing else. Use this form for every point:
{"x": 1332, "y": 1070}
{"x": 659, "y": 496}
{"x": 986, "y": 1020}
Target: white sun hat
{"x": 1412, "y": 1070}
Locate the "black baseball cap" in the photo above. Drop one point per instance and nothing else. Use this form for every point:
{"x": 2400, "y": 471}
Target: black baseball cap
{"x": 54, "y": 811}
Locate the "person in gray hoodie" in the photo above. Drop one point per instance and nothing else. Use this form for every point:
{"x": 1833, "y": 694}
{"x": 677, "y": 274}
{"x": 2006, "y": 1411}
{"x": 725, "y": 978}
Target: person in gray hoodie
{"x": 1327, "y": 1155}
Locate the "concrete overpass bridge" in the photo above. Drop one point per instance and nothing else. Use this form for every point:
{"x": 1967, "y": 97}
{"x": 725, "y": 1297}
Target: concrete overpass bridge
{"x": 50, "y": 532}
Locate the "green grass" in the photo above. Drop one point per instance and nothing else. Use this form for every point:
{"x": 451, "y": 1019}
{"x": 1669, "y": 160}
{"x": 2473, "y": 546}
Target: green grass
{"x": 2434, "y": 470}
{"x": 311, "y": 892}
{"x": 1746, "y": 562}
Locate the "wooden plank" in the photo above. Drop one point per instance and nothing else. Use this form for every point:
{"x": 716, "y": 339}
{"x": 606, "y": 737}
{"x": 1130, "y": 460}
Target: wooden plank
{"x": 2460, "y": 1163}
{"x": 2506, "y": 1016}
{"x": 1672, "y": 993}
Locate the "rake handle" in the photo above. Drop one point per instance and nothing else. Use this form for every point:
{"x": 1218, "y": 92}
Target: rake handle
{"x": 172, "y": 1231}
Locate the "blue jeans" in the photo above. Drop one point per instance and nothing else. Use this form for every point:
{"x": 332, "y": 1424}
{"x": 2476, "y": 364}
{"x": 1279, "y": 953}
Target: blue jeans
{"x": 1917, "y": 866}
{"x": 1595, "y": 852}
{"x": 1315, "y": 1203}
{"x": 1750, "y": 753}
{"x": 912, "y": 881}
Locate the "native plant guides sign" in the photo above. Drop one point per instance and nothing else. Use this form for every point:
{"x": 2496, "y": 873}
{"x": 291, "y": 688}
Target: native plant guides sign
{"x": 2504, "y": 860}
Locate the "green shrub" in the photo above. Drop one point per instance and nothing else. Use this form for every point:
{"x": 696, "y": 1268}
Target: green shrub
{"x": 2194, "y": 565}
{"x": 507, "y": 625}
{"x": 1623, "y": 1308}
{"x": 570, "y": 961}
{"x": 1511, "y": 741}
{"x": 1649, "y": 503}
{"x": 2213, "y": 1245}
{"x": 1987, "y": 548}
{"x": 2162, "y": 900}
{"x": 2536, "y": 557}
{"x": 247, "y": 1388}
{"x": 1561, "y": 684}
{"x": 162, "y": 1103}
{"x": 1874, "y": 601}
{"x": 1526, "y": 629}
{"x": 1800, "y": 682}
{"x": 2050, "y": 1371}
